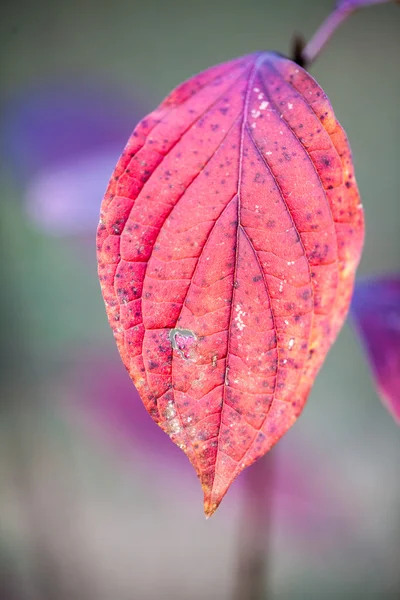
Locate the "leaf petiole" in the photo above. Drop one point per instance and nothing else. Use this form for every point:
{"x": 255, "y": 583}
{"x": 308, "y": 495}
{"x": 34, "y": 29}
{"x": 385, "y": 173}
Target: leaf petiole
{"x": 342, "y": 11}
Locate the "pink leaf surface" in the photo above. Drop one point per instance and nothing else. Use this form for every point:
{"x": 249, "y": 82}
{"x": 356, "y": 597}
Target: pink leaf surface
{"x": 227, "y": 246}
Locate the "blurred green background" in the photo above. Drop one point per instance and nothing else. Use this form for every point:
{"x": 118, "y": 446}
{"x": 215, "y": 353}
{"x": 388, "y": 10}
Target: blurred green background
{"x": 93, "y": 503}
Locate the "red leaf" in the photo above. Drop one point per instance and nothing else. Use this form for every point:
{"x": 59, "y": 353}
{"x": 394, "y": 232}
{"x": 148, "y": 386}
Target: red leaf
{"x": 228, "y": 241}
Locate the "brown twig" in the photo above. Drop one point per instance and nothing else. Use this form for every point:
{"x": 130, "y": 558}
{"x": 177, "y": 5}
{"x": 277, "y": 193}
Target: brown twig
{"x": 255, "y": 531}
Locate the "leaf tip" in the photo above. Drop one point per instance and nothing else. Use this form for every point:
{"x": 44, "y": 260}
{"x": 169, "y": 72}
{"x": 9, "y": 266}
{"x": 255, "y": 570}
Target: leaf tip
{"x": 213, "y": 495}
{"x": 210, "y": 506}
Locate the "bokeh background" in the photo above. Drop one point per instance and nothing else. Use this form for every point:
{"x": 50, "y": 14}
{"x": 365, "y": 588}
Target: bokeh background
{"x": 95, "y": 501}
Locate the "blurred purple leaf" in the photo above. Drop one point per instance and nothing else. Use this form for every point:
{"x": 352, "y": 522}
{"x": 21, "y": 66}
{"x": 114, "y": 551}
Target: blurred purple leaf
{"x": 63, "y": 198}
{"x": 62, "y": 143}
{"x": 376, "y": 315}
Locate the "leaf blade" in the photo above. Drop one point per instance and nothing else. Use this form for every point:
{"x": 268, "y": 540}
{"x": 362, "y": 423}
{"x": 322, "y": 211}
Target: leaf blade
{"x": 221, "y": 262}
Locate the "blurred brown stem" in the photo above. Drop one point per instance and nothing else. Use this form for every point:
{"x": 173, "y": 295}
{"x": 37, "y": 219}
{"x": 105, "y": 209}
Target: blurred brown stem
{"x": 254, "y": 531}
